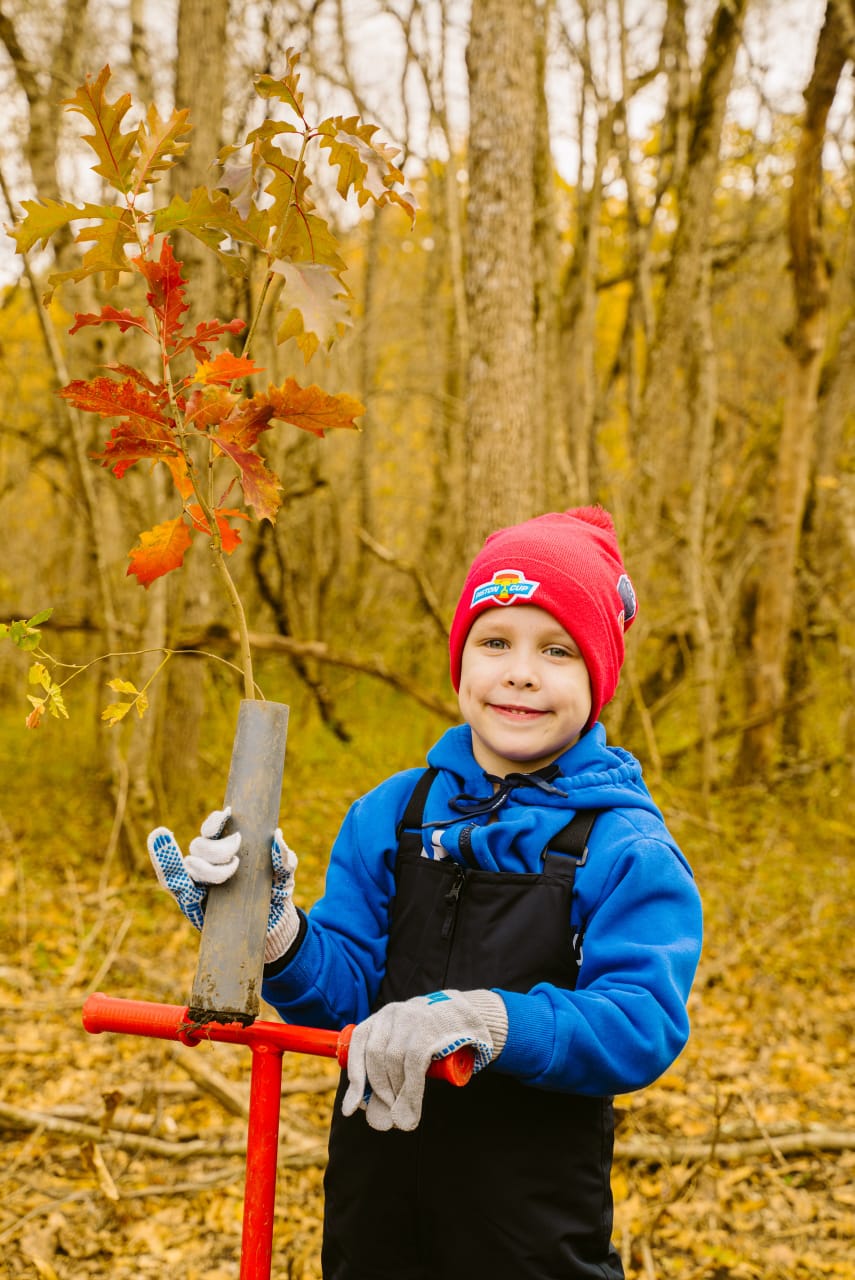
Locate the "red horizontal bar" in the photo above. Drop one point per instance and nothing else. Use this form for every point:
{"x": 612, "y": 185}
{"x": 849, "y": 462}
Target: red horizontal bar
{"x": 172, "y": 1022}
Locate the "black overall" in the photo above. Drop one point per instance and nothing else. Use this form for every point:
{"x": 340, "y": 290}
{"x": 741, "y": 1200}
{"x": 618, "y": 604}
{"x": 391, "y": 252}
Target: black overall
{"x": 500, "y": 1179}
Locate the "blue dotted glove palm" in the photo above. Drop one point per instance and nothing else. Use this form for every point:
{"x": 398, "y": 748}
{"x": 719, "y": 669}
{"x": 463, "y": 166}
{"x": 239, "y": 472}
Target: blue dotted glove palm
{"x": 213, "y": 859}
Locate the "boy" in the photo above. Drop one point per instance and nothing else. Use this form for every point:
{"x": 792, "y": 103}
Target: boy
{"x": 522, "y": 895}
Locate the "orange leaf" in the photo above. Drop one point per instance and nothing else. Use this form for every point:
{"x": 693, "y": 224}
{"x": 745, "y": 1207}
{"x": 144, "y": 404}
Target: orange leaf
{"x": 34, "y": 719}
{"x": 230, "y": 538}
{"x": 206, "y": 409}
{"x": 159, "y": 550}
{"x": 180, "y": 474}
{"x": 224, "y": 369}
{"x": 312, "y": 408}
{"x": 309, "y": 408}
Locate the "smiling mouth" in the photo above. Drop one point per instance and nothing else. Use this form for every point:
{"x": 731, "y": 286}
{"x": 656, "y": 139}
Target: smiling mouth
{"x": 517, "y": 713}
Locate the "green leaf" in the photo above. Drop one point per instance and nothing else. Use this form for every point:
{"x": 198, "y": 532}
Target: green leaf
{"x": 38, "y": 618}
{"x": 287, "y": 186}
{"x": 307, "y": 237}
{"x": 159, "y": 146}
{"x": 22, "y": 634}
{"x": 43, "y": 218}
{"x": 364, "y": 165}
{"x": 111, "y": 237}
{"x": 286, "y": 89}
{"x": 213, "y": 220}
{"x": 116, "y": 151}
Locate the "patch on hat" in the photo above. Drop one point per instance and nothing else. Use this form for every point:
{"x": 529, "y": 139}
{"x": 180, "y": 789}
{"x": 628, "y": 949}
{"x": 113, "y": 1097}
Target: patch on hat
{"x": 505, "y": 587}
{"x": 626, "y": 591}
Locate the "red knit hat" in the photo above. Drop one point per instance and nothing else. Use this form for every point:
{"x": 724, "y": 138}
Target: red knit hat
{"x": 569, "y": 564}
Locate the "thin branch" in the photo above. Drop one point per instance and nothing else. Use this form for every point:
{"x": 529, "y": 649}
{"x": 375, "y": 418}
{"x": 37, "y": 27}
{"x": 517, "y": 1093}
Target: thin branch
{"x": 374, "y": 667}
{"x": 679, "y": 1150}
{"x": 427, "y": 594}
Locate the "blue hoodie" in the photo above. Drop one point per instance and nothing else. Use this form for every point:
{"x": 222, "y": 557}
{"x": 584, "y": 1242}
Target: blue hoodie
{"x": 635, "y": 899}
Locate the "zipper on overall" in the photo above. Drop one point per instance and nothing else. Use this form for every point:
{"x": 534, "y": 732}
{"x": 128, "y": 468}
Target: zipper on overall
{"x": 452, "y": 897}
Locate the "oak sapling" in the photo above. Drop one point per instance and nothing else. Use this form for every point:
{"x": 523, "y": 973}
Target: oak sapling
{"x": 199, "y": 416}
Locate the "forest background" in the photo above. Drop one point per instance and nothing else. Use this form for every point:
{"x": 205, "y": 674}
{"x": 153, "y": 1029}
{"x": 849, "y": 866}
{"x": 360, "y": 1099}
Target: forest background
{"x": 629, "y": 281}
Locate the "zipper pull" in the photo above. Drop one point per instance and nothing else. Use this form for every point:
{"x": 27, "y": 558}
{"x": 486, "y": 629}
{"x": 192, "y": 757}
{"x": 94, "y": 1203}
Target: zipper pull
{"x": 451, "y": 899}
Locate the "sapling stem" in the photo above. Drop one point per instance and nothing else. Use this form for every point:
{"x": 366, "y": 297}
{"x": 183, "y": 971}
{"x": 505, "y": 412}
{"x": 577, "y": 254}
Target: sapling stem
{"x": 240, "y": 616}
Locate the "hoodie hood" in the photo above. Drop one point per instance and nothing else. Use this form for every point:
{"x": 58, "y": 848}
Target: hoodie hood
{"x": 589, "y": 775}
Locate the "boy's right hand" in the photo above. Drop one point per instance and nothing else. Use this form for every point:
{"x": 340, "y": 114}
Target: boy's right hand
{"x": 213, "y": 859}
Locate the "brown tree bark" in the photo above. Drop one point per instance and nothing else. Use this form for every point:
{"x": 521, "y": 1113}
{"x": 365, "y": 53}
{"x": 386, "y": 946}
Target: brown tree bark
{"x": 503, "y": 481}
{"x": 664, "y": 429}
{"x": 807, "y": 339}
{"x": 200, "y": 83}
{"x": 200, "y": 61}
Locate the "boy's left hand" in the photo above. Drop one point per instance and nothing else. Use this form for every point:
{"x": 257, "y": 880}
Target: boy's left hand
{"x": 391, "y": 1051}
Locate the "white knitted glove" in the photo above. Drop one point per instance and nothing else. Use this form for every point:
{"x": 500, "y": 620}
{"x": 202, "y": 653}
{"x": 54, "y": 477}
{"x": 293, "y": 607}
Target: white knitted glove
{"x": 213, "y": 859}
{"x": 391, "y": 1051}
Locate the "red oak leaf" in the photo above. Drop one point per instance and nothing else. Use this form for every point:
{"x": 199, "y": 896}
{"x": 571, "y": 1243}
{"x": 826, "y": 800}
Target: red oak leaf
{"x": 199, "y": 342}
{"x": 111, "y": 399}
{"x": 157, "y": 389}
{"x": 124, "y": 319}
{"x": 261, "y": 486}
{"x": 125, "y": 447}
{"x": 166, "y": 291}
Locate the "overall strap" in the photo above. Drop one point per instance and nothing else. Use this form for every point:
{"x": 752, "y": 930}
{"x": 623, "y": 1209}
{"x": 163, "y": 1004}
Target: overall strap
{"x": 568, "y": 849}
{"x": 572, "y": 840}
{"x": 408, "y": 829}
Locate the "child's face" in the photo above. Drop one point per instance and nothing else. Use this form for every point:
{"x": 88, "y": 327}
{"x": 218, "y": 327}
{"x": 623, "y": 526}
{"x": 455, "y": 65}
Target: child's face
{"x": 524, "y": 689}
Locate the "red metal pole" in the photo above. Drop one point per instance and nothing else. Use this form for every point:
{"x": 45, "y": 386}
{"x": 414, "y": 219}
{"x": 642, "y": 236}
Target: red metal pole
{"x": 267, "y": 1041}
{"x": 261, "y": 1147}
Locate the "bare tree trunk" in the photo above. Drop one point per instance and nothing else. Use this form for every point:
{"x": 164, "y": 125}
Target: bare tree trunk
{"x": 180, "y": 698}
{"x": 200, "y": 82}
{"x": 810, "y": 282}
{"x": 366, "y": 358}
{"x": 578, "y": 323}
{"x": 551, "y": 414}
{"x": 503, "y": 482}
{"x": 695, "y": 564}
{"x": 665, "y": 425}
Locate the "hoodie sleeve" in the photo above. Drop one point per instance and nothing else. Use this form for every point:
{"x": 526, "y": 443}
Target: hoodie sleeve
{"x": 626, "y": 1021}
{"x": 332, "y": 974}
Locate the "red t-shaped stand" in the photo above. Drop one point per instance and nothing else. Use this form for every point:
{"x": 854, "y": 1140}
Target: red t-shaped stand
{"x": 268, "y": 1041}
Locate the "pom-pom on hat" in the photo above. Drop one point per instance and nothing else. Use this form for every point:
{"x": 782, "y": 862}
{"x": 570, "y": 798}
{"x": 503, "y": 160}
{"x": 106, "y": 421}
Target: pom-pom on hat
{"x": 569, "y": 564}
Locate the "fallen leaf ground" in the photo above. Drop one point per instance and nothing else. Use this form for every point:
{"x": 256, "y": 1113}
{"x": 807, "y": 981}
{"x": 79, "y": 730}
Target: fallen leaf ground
{"x": 705, "y": 1179}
